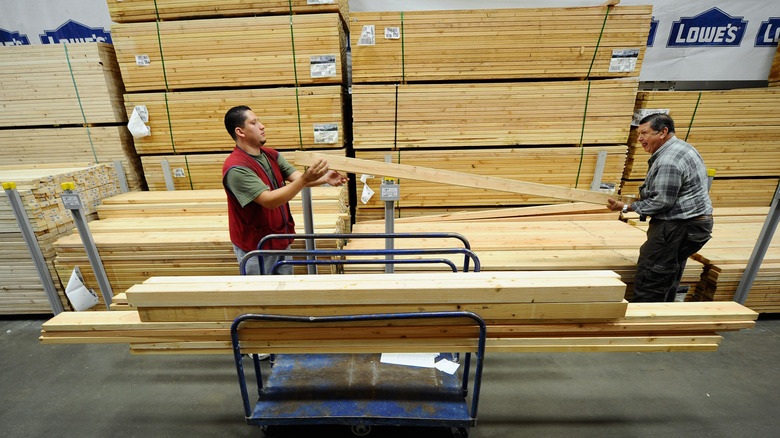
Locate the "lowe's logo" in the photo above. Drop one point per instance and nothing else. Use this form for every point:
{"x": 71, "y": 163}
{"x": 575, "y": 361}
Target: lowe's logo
{"x": 651, "y": 35}
{"x": 8, "y": 38}
{"x": 710, "y": 28}
{"x": 768, "y": 33}
{"x": 75, "y": 32}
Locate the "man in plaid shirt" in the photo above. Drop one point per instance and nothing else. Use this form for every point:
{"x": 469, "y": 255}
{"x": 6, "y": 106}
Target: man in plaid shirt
{"x": 675, "y": 195}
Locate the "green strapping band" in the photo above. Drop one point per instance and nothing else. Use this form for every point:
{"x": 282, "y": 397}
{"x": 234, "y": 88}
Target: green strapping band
{"x": 587, "y": 97}
{"x": 403, "y": 51}
{"x": 295, "y": 71}
{"x": 395, "y": 139}
{"x": 165, "y": 94}
{"x": 690, "y": 125}
{"x": 81, "y": 106}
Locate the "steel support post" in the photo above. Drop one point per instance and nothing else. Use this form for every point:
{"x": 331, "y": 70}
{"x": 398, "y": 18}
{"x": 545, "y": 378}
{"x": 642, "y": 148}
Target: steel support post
{"x": 166, "y": 169}
{"x": 32, "y": 245}
{"x": 308, "y": 223}
{"x": 759, "y": 251}
{"x": 120, "y": 176}
{"x": 598, "y": 173}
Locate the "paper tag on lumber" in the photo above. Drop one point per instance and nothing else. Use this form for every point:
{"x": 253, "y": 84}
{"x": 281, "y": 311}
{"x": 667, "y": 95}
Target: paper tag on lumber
{"x": 80, "y": 297}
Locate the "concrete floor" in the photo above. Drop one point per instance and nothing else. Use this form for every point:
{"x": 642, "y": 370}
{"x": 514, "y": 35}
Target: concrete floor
{"x": 100, "y": 391}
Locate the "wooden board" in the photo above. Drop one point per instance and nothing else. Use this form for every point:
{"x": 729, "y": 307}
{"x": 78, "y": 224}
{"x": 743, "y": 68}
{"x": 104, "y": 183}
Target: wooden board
{"x": 497, "y": 43}
{"x": 774, "y": 72}
{"x": 558, "y": 166}
{"x": 125, "y": 11}
{"x": 418, "y": 173}
{"x": 215, "y": 53}
{"x": 193, "y": 121}
{"x": 729, "y": 192}
{"x": 458, "y": 115}
{"x": 41, "y": 85}
{"x": 31, "y": 146}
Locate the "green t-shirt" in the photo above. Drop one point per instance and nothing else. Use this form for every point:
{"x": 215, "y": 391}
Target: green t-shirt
{"x": 246, "y": 185}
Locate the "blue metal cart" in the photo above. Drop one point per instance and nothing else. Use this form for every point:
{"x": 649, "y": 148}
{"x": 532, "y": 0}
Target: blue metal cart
{"x": 358, "y": 390}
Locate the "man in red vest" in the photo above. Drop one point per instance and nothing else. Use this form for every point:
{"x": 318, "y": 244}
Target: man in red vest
{"x": 254, "y": 179}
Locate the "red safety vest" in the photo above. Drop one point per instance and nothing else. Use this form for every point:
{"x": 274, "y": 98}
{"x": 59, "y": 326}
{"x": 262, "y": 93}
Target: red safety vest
{"x": 251, "y": 223}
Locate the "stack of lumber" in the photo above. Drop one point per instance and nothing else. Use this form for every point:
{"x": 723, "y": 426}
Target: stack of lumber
{"x": 726, "y": 255}
{"x": 21, "y": 291}
{"x": 197, "y": 118}
{"x": 199, "y": 171}
{"x": 559, "y": 166}
{"x": 63, "y": 104}
{"x": 524, "y": 312}
{"x": 732, "y": 130}
{"x": 492, "y": 114}
{"x": 126, "y": 11}
{"x": 145, "y": 234}
{"x": 230, "y": 52}
{"x": 774, "y": 72}
{"x": 497, "y": 44}
{"x": 31, "y": 146}
{"x": 545, "y": 238}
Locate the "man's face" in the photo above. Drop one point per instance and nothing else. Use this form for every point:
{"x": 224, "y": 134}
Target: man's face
{"x": 253, "y": 130}
{"x": 651, "y": 139}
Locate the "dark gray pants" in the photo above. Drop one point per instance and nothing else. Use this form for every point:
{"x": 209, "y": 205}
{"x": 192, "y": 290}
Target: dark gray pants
{"x": 662, "y": 257}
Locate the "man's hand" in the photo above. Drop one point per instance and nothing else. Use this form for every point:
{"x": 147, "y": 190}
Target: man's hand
{"x": 614, "y": 205}
{"x": 335, "y": 179}
{"x": 316, "y": 171}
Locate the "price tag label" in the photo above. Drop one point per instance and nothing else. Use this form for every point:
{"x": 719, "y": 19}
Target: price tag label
{"x": 71, "y": 201}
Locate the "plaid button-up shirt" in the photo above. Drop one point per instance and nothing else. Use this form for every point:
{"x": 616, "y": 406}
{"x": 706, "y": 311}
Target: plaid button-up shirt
{"x": 676, "y": 186}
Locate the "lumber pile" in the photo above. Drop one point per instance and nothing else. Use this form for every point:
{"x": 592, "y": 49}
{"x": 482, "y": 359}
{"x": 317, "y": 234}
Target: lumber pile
{"x": 30, "y": 146}
{"x": 726, "y": 255}
{"x": 491, "y": 44}
{"x": 774, "y": 72}
{"x": 546, "y": 238}
{"x": 558, "y": 166}
{"x": 193, "y": 121}
{"x": 62, "y": 103}
{"x": 492, "y": 114}
{"x": 39, "y": 85}
{"x": 145, "y": 234}
{"x": 200, "y": 171}
{"x": 21, "y": 291}
{"x": 732, "y": 130}
{"x": 126, "y": 11}
{"x": 216, "y": 53}
{"x": 524, "y": 311}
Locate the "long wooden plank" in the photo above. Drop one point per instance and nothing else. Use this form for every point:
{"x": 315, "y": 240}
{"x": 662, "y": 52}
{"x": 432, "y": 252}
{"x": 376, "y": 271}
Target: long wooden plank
{"x": 418, "y": 173}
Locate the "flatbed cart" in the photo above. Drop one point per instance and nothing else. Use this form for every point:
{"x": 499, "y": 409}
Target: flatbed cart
{"x": 358, "y": 390}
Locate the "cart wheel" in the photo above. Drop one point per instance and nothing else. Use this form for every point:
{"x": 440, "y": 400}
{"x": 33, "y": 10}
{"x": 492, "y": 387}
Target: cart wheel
{"x": 459, "y": 432}
{"x": 361, "y": 430}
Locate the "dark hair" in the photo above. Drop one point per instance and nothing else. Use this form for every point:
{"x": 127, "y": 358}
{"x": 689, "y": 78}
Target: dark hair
{"x": 235, "y": 118}
{"x": 659, "y": 121}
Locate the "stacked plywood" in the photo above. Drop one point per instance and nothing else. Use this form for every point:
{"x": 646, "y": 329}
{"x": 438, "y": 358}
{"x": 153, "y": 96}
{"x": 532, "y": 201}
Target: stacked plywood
{"x": 432, "y": 53}
{"x": 556, "y": 237}
{"x": 63, "y": 104}
{"x": 125, "y": 11}
{"x": 733, "y": 130}
{"x": 21, "y": 291}
{"x": 197, "y": 57}
{"x": 496, "y": 44}
{"x": 231, "y": 52}
{"x": 197, "y": 171}
{"x": 196, "y": 118}
{"x": 144, "y": 234}
{"x": 524, "y": 311}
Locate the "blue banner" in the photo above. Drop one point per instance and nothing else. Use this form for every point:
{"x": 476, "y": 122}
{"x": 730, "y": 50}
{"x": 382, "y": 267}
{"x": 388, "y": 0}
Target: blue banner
{"x": 74, "y": 32}
{"x": 711, "y": 28}
{"x": 8, "y": 38}
{"x": 769, "y": 33}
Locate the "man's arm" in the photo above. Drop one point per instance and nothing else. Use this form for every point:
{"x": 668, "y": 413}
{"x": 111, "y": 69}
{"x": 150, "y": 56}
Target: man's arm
{"x": 272, "y": 199}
